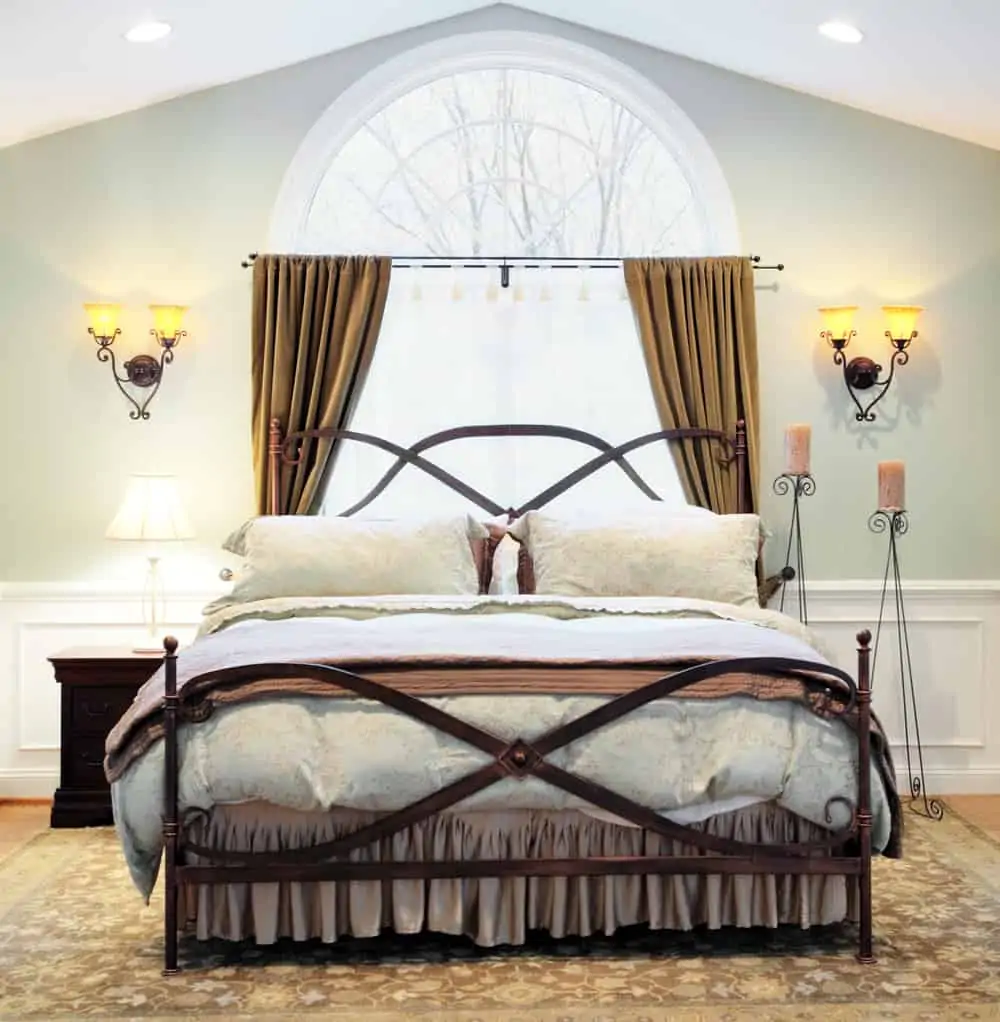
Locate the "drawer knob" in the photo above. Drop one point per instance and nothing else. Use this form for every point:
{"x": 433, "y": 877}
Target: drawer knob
{"x": 104, "y": 710}
{"x": 94, "y": 764}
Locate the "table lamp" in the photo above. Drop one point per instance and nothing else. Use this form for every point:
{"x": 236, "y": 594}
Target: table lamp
{"x": 151, "y": 513}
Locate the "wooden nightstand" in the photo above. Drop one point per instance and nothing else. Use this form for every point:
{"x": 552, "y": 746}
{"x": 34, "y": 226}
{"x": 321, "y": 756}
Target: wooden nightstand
{"x": 98, "y": 684}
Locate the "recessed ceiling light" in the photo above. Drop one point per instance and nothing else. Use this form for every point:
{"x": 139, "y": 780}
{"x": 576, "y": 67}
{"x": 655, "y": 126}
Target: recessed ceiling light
{"x": 148, "y": 32}
{"x": 841, "y": 32}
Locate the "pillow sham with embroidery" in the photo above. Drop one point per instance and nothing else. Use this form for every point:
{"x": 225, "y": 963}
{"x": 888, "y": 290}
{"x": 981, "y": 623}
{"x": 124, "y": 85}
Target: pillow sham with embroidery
{"x": 308, "y": 555}
{"x": 699, "y": 556}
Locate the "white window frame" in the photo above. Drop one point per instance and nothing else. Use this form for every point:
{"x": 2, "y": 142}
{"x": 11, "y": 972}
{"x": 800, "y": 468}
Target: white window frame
{"x": 485, "y": 50}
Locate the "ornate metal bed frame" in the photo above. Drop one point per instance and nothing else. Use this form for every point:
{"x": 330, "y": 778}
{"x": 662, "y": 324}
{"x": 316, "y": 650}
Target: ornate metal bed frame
{"x": 846, "y": 852}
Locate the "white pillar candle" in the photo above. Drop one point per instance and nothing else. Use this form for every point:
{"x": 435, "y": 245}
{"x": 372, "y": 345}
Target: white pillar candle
{"x": 892, "y": 486}
{"x": 797, "y": 449}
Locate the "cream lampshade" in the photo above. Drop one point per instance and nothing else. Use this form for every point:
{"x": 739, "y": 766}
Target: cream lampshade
{"x": 103, "y": 318}
{"x": 167, "y": 321}
{"x": 901, "y": 321}
{"x": 151, "y": 512}
{"x": 838, "y": 323}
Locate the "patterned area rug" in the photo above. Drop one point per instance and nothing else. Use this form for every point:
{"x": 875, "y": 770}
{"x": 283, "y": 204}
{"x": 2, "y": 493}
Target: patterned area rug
{"x": 76, "y": 942}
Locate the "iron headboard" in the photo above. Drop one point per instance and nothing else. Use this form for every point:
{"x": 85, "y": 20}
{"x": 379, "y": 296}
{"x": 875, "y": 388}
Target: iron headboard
{"x": 285, "y": 451}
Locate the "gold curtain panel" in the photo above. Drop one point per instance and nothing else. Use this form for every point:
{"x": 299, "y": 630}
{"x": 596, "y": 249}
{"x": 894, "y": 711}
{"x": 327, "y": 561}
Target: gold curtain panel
{"x": 315, "y": 321}
{"x": 697, "y": 323}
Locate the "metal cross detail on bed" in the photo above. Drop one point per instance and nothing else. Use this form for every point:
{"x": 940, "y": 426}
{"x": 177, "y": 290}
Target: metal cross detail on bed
{"x": 829, "y": 691}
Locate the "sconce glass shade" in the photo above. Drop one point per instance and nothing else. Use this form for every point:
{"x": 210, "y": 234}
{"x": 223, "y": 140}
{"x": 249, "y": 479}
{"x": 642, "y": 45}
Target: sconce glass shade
{"x": 103, "y": 318}
{"x": 901, "y": 320}
{"x": 151, "y": 511}
{"x": 838, "y": 321}
{"x": 167, "y": 319}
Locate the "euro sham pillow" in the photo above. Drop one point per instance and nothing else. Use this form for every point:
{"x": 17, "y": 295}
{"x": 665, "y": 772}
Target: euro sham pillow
{"x": 698, "y": 556}
{"x": 306, "y": 555}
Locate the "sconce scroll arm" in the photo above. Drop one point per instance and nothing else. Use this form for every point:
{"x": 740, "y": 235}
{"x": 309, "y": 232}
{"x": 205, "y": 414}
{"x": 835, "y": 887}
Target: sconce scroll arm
{"x": 143, "y": 371}
{"x": 900, "y": 356}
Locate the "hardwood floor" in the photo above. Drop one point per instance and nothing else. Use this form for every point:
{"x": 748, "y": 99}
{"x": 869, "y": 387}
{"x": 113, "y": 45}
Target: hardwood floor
{"x": 982, "y": 810}
{"x": 20, "y": 822}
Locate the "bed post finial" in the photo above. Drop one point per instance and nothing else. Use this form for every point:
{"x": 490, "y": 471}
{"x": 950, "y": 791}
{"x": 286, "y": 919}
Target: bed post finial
{"x": 274, "y": 466}
{"x": 171, "y": 836}
{"x": 865, "y": 955}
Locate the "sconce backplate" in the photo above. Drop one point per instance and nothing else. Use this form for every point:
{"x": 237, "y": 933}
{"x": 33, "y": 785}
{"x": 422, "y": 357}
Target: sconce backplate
{"x": 862, "y": 373}
{"x": 143, "y": 370}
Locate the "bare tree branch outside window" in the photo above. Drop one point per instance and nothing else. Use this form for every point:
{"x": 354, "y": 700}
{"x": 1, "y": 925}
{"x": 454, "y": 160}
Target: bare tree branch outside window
{"x": 506, "y": 162}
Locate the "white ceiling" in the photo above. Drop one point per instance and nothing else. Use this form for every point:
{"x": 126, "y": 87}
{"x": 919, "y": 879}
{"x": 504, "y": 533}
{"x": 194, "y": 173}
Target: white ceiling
{"x": 931, "y": 63}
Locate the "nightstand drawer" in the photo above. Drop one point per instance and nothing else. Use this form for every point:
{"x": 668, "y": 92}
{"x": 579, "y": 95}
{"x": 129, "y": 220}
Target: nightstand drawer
{"x": 95, "y": 711}
{"x": 84, "y": 762}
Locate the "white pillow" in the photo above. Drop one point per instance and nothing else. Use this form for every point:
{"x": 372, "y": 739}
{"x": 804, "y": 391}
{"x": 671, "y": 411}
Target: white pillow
{"x": 699, "y": 556}
{"x": 312, "y": 555}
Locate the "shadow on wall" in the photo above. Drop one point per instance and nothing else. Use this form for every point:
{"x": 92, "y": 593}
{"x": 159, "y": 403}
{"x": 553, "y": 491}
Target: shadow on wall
{"x": 774, "y": 286}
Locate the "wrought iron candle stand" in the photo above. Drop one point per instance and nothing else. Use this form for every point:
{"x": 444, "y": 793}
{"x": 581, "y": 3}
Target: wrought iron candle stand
{"x": 798, "y": 485}
{"x": 896, "y": 524}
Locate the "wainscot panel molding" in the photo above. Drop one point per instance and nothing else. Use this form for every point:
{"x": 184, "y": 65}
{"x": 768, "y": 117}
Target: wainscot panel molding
{"x": 954, "y": 629}
{"x": 37, "y": 619}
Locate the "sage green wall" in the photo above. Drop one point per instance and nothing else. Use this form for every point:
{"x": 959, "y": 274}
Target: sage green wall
{"x": 161, "y": 205}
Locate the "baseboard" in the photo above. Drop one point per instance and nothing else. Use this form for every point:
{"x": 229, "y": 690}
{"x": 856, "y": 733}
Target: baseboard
{"x": 37, "y": 786}
{"x": 20, "y": 784}
{"x": 942, "y": 783}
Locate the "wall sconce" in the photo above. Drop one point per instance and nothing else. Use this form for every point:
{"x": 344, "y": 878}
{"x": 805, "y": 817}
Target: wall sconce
{"x": 862, "y": 373}
{"x": 143, "y": 371}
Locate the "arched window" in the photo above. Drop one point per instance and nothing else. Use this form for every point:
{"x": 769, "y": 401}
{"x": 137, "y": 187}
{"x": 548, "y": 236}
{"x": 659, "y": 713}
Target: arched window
{"x": 505, "y": 144}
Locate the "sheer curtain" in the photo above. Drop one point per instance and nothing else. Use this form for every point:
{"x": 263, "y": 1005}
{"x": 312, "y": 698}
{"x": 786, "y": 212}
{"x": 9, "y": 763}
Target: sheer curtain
{"x": 559, "y": 346}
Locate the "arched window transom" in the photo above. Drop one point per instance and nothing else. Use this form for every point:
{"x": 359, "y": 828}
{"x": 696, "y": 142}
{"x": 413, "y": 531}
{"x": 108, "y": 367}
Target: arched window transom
{"x": 506, "y": 161}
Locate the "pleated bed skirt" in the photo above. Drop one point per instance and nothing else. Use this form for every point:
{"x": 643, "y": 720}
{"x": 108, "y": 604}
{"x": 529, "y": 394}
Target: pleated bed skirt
{"x": 502, "y": 910}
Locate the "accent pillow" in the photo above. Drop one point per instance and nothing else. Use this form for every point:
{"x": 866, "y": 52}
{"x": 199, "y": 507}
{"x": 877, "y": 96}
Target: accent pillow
{"x": 307, "y": 555}
{"x": 700, "y": 556}
{"x": 504, "y": 577}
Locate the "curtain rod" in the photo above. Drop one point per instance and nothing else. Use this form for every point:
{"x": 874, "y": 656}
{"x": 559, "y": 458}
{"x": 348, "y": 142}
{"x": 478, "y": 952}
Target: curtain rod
{"x": 524, "y": 262}
{"x": 506, "y": 263}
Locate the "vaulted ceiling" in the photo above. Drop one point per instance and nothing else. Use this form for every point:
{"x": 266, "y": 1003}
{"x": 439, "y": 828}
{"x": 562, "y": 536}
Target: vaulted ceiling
{"x": 930, "y": 63}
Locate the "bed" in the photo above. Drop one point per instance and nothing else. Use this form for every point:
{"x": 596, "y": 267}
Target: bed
{"x": 327, "y": 760}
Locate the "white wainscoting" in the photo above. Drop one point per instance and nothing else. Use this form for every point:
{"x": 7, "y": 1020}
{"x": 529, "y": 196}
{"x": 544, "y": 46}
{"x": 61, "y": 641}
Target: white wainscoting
{"x": 954, "y": 635}
{"x": 38, "y": 620}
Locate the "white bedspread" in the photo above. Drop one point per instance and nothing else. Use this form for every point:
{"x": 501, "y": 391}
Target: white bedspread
{"x": 685, "y": 758}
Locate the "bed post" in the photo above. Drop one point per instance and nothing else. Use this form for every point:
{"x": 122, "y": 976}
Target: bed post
{"x": 865, "y": 955}
{"x": 273, "y": 466}
{"x": 170, "y": 820}
{"x": 741, "y": 467}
